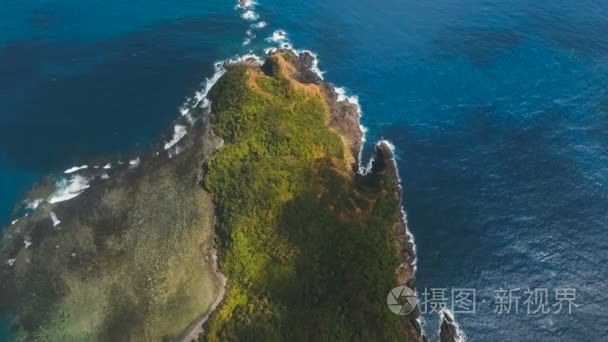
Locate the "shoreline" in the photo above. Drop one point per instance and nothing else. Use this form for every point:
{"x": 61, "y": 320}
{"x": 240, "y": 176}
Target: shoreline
{"x": 345, "y": 116}
{"x": 344, "y": 119}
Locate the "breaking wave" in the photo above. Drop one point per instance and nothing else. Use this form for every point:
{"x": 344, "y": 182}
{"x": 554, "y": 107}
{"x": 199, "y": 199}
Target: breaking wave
{"x": 259, "y": 25}
{"x": 449, "y": 317}
{"x": 69, "y": 188}
{"x": 54, "y": 218}
{"x": 75, "y": 168}
{"x": 250, "y": 15}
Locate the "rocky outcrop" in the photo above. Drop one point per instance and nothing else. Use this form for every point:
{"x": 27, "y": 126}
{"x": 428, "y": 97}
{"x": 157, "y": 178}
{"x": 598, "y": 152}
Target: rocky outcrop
{"x": 344, "y": 117}
{"x": 448, "y": 330}
{"x": 384, "y": 167}
{"x": 304, "y": 63}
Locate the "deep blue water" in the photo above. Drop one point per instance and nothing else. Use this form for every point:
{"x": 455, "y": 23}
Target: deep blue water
{"x": 498, "y": 111}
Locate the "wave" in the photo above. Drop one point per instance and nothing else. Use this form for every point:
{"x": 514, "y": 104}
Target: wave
{"x": 27, "y": 241}
{"x": 448, "y": 316}
{"x": 200, "y": 97}
{"x": 75, "y": 168}
{"x": 250, "y": 15}
{"x": 278, "y": 36}
{"x": 341, "y": 92}
{"x": 67, "y": 189}
{"x": 133, "y": 163}
{"x": 259, "y": 25}
{"x": 244, "y": 4}
{"x": 179, "y": 131}
{"x": 33, "y": 205}
{"x": 54, "y": 218}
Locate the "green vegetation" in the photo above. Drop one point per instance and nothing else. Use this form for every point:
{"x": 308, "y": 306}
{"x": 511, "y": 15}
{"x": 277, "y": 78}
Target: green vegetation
{"x": 308, "y": 246}
{"x": 308, "y": 249}
{"x": 127, "y": 264}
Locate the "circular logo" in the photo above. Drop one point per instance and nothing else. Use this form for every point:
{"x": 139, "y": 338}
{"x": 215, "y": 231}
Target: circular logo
{"x": 401, "y": 300}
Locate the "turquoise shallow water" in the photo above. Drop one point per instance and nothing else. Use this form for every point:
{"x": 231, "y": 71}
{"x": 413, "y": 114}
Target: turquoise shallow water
{"x": 498, "y": 111}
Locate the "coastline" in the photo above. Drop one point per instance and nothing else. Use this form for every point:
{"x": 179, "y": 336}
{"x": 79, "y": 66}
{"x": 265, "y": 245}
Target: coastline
{"x": 60, "y": 233}
{"x": 344, "y": 119}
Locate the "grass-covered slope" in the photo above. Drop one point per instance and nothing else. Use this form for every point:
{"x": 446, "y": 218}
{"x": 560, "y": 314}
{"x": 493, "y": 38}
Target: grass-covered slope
{"x": 130, "y": 261}
{"x": 309, "y": 248}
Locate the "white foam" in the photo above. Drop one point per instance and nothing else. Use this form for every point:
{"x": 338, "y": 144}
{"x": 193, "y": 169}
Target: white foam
{"x": 33, "y": 205}
{"x": 250, "y": 15}
{"x": 183, "y": 110}
{"x": 11, "y": 262}
{"x": 250, "y": 33}
{"x": 175, "y": 151}
{"x": 14, "y": 221}
{"x": 246, "y": 41}
{"x": 56, "y": 221}
{"x": 69, "y": 188}
{"x": 246, "y": 57}
{"x": 75, "y": 168}
{"x": 105, "y": 176}
{"x": 108, "y": 166}
{"x": 245, "y": 4}
{"x": 200, "y": 99}
{"x": 259, "y": 25}
{"x": 341, "y": 92}
{"x": 201, "y": 96}
{"x": 179, "y": 131}
{"x": 278, "y": 36}
{"x": 133, "y": 163}
{"x": 315, "y": 62}
{"x": 27, "y": 242}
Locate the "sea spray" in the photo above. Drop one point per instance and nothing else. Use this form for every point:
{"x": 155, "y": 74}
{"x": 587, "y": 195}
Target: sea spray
{"x": 75, "y": 168}
{"x": 54, "y": 218}
{"x": 179, "y": 131}
{"x": 67, "y": 189}
{"x": 448, "y": 325}
{"x": 250, "y": 16}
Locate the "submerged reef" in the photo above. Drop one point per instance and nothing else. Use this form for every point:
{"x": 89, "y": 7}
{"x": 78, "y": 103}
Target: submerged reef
{"x": 310, "y": 245}
{"x": 131, "y": 259}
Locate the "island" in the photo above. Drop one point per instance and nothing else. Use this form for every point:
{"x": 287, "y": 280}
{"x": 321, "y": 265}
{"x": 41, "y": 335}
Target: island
{"x": 263, "y": 227}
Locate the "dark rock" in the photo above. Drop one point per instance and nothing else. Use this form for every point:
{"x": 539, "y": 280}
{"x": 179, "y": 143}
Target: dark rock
{"x": 448, "y": 331}
{"x": 384, "y": 169}
{"x": 344, "y": 118}
{"x": 303, "y": 63}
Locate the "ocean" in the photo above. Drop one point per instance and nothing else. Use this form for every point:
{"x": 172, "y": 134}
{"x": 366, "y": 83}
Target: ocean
{"x": 498, "y": 111}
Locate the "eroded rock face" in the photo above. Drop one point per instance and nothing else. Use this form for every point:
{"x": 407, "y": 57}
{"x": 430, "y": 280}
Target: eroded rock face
{"x": 384, "y": 167}
{"x": 448, "y": 331}
{"x": 345, "y": 117}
